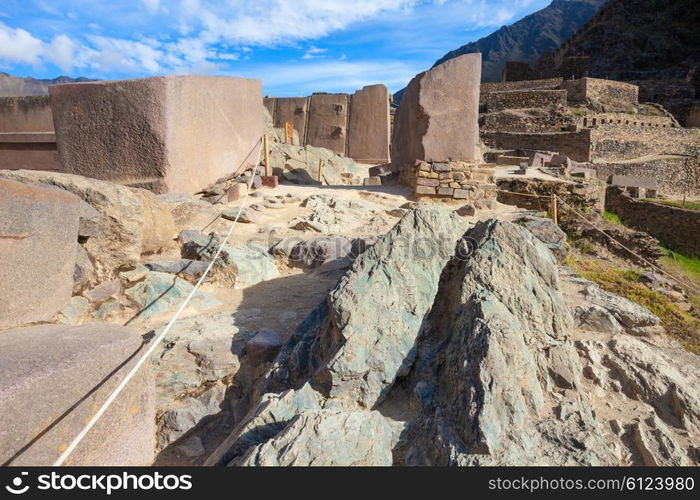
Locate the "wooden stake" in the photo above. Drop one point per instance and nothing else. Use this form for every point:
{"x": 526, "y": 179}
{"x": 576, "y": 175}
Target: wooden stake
{"x": 555, "y": 215}
{"x": 320, "y": 169}
{"x": 288, "y": 132}
{"x": 267, "y": 156}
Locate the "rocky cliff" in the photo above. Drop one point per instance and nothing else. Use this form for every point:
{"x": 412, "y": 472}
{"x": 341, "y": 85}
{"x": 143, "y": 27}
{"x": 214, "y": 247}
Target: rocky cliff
{"x": 527, "y": 39}
{"x": 17, "y": 85}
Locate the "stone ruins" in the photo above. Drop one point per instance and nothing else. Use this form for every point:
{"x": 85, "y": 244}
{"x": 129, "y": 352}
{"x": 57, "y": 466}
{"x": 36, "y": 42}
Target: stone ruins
{"x": 440, "y": 288}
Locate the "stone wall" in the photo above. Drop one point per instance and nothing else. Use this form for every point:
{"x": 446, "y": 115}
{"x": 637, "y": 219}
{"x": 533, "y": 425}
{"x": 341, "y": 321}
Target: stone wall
{"x": 619, "y": 142}
{"x": 457, "y": 180}
{"x": 528, "y": 121}
{"x": 523, "y": 99}
{"x": 675, "y": 175}
{"x": 616, "y": 96}
{"x": 27, "y": 138}
{"x": 168, "y": 134}
{"x": 678, "y": 228}
{"x": 488, "y": 87}
{"x": 575, "y": 145}
{"x": 357, "y": 125}
{"x": 628, "y": 119}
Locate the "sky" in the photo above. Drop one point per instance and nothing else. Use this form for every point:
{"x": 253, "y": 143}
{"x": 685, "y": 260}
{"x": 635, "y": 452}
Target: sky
{"x": 295, "y": 47}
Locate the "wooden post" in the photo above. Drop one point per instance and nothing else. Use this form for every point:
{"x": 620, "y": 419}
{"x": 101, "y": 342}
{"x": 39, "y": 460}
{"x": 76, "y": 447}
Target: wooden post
{"x": 320, "y": 169}
{"x": 267, "y": 156}
{"x": 553, "y": 208}
{"x": 288, "y": 132}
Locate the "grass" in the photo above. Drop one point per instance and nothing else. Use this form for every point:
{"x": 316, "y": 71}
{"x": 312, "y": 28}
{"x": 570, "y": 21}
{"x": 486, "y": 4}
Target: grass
{"x": 688, "y": 266}
{"x": 682, "y": 326}
{"x": 690, "y": 205}
{"x": 611, "y": 217}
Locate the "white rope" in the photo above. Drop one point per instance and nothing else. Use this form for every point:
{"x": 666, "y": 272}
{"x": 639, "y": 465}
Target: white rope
{"x": 71, "y": 447}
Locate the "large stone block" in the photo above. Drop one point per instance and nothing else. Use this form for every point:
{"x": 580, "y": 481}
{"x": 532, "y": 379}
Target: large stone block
{"x": 437, "y": 119}
{"x": 38, "y": 248}
{"x": 328, "y": 121}
{"x": 52, "y": 380}
{"x": 169, "y": 134}
{"x": 294, "y": 110}
{"x": 369, "y": 125}
{"x": 132, "y": 221}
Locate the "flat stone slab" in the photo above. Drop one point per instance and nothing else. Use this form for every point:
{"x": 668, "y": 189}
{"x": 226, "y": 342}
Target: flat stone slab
{"x": 630, "y": 181}
{"x": 52, "y": 380}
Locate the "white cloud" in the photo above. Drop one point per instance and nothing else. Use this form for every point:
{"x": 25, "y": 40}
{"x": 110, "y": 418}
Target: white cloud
{"x": 61, "y": 52}
{"x": 19, "y": 46}
{"x": 313, "y": 53}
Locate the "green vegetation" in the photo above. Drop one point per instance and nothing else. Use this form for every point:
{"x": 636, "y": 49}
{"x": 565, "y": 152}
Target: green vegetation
{"x": 690, "y": 205}
{"x": 689, "y": 266}
{"x": 611, "y": 217}
{"x": 682, "y": 326}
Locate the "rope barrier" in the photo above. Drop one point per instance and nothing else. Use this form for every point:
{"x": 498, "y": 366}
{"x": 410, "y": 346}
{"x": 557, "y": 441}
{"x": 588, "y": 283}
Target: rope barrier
{"x": 81, "y": 435}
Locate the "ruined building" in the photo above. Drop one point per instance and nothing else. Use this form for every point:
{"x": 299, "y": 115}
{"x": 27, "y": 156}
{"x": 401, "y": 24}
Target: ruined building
{"x": 354, "y": 125}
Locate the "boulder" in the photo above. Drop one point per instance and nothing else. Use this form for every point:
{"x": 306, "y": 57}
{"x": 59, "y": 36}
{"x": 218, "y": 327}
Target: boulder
{"x": 132, "y": 221}
{"x": 312, "y": 438}
{"x": 192, "y": 365}
{"x": 360, "y": 351}
{"x": 496, "y": 352}
{"x": 161, "y": 292}
{"x": 313, "y": 253}
{"x": 548, "y": 233}
{"x": 264, "y": 345}
{"x": 188, "y": 268}
{"x": 71, "y": 370}
{"x": 38, "y": 251}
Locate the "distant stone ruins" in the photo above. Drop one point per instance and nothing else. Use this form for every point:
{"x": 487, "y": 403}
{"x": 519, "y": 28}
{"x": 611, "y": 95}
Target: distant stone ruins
{"x": 592, "y": 121}
{"x": 354, "y": 125}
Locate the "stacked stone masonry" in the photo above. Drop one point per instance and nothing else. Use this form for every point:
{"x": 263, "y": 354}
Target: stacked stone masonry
{"x": 523, "y": 99}
{"x": 678, "y": 228}
{"x": 356, "y": 125}
{"x": 617, "y": 96}
{"x": 458, "y": 180}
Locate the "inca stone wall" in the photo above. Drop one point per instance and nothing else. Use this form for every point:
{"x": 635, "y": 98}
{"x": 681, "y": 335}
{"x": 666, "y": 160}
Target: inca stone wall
{"x": 523, "y": 99}
{"x": 618, "y": 142}
{"x": 575, "y": 145}
{"x": 168, "y": 134}
{"x": 437, "y": 120}
{"x": 675, "y": 175}
{"x": 628, "y": 119}
{"x": 617, "y": 96}
{"x": 27, "y": 138}
{"x": 354, "y": 125}
{"x": 488, "y": 87}
{"x": 678, "y": 228}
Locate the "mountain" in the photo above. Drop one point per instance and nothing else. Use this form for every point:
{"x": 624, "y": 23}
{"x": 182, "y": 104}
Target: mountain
{"x": 654, "y": 44}
{"x": 17, "y": 85}
{"x": 527, "y": 39}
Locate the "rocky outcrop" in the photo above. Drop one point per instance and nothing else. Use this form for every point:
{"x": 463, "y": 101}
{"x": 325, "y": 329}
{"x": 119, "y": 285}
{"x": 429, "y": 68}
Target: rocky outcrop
{"x": 463, "y": 365}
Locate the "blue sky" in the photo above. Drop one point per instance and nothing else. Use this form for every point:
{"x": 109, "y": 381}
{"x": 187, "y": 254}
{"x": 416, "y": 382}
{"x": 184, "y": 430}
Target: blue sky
{"x": 296, "y": 47}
